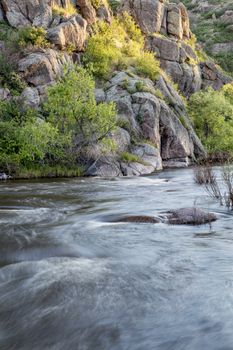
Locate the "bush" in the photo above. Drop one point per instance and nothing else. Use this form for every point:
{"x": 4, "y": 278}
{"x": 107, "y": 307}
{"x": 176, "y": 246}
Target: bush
{"x": 147, "y": 66}
{"x": 114, "y": 4}
{"x": 26, "y": 140}
{"x": 212, "y": 114}
{"x": 68, "y": 10}
{"x": 72, "y": 108}
{"x": 8, "y": 76}
{"x": 118, "y": 46}
{"x": 35, "y": 36}
{"x": 218, "y": 187}
{"x": 129, "y": 158}
{"x": 96, "y": 3}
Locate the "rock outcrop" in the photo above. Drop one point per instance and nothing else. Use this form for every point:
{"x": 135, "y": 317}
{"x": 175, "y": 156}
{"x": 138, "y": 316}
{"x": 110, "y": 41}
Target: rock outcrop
{"x": 39, "y": 13}
{"x": 179, "y": 61}
{"x": 213, "y": 23}
{"x": 153, "y": 112}
{"x": 212, "y": 76}
{"x": 167, "y": 30}
{"x": 21, "y": 13}
{"x": 156, "y": 16}
{"x": 69, "y": 34}
{"x": 42, "y": 67}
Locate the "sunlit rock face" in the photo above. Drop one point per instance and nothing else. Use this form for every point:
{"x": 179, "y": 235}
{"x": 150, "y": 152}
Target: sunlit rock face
{"x": 20, "y": 13}
{"x": 39, "y": 13}
{"x": 157, "y": 16}
{"x": 167, "y": 32}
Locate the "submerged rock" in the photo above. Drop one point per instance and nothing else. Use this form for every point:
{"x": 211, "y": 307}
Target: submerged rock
{"x": 141, "y": 219}
{"x": 190, "y": 216}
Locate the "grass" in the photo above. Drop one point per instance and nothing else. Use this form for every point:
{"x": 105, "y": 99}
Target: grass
{"x": 46, "y": 171}
{"x": 68, "y": 10}
{"x": 130, "y": 158}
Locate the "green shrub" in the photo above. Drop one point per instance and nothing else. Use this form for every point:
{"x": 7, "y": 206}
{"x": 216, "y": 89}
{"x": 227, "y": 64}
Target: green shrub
{"x": 48, "y": 171}
{"x": 129, "y": 158}
{"x": 96, "y": 3}
{"x": 68, "y": 10}
{"x": 26, "y": 140}
{"x": 7, "y": 33}
{"x": 212, "y": 114}
{"x": 118, "y": 46}
{"x": 140, "y": 86}
{"x": 147, "y": 66}
{"x": 123, "y": 123}
{"x": 35, "y": 36}
{"x": 114, "y": 4}
{"x": 8, "y": 76}
{"x": 72, "y": 108}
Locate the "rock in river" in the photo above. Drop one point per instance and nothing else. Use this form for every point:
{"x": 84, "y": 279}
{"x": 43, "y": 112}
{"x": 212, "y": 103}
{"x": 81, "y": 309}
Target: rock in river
{"x": 190, "y": 216}
{"x": 141, "y": 219}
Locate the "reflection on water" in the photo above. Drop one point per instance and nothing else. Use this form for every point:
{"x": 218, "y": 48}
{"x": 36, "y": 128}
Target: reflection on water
{"x": 72, "y": 280}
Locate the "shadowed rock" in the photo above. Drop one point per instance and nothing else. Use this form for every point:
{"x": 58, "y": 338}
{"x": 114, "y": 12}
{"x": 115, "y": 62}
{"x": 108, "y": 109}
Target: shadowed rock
{"x": 141, "y": 219}
{"x": 190, "y": 216}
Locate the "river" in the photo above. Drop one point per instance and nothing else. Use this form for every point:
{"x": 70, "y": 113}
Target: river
{"x": 72, "y": 280}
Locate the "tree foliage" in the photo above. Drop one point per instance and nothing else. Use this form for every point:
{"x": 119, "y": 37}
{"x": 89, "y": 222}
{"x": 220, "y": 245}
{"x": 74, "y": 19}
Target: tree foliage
{"x": 212, "y": 115}
{"x": 71, "y": 107}
{"x": 25, "y": 139}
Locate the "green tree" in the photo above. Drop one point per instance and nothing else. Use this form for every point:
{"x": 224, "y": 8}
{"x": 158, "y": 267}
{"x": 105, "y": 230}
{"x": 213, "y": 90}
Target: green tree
{"x": 72, "y": 108}
{"x": 26, "y": 140}
{"x": 212, "y": 114}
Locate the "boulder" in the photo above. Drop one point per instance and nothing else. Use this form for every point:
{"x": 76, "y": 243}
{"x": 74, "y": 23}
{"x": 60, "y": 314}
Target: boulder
{"x": 158, "y": 16}
{"x": 179, "y": 61}
{"x": 21, "y": 13}
{"x": 212, "y": 76}
{"x": 174, "y": 21}
{"x": 5, "y": 94}
{"x": 227, "y": 17}
{"x": 31, "y": 97}
{"x": 184, "y": 20}
{"x": 121, "y": 139}
{"x": 87, "y": 10}
{"x": 136, "y": 169}
{"x": 164, "y": 48}
{"x": 190, "y": 216}
{"x": 148, "y": 14}
{"x": 149, "y": 154}
{"x": 42, "y": 67}
{"x": 99, "y": 95}
{"x": 187, "y": 77}
{"x": 104, "y": 167}
{"x": 138, "y": 219}
{"x": 71, "y": 33}
{"x": 103, "y": 13}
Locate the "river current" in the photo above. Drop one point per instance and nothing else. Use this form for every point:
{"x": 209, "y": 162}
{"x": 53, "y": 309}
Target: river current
{"x": 70, "y": 279}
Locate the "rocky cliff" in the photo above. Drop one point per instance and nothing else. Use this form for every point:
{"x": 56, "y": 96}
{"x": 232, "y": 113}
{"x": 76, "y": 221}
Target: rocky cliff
{"x": 212, "y": 22}
{"x": 167, "y": 28}
{"x": 155, "y": 126}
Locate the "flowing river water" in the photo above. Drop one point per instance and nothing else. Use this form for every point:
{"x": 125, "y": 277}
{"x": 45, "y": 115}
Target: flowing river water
{"x": 72, "y": 280}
